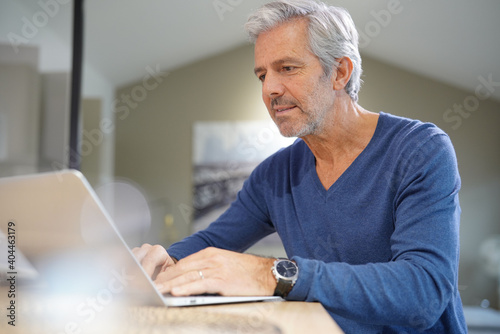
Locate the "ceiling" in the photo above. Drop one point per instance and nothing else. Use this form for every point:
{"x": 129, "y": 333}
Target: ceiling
{"x": 452, "y": 41}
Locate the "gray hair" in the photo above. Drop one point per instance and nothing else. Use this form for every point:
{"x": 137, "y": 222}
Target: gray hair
{"x": 332, "y": 33}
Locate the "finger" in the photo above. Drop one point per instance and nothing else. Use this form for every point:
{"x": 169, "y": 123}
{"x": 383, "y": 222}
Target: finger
{"x": 140, "y": 252}
{"x": 187, "y": 270}
{"x": 155, "y": 257}
{"x": 182, "y": 267}
{"x": 192, "y": 288}
{"x": 190, "y": 283}
{"x": 173, "y": 276}
{"x": 202, "y": 260}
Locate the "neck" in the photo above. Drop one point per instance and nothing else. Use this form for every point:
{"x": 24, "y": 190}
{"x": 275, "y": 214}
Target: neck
{"x": 343, "y": 137}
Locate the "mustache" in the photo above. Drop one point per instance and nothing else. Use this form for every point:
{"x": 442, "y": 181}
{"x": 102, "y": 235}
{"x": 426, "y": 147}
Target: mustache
{"x": 280, "y": 100}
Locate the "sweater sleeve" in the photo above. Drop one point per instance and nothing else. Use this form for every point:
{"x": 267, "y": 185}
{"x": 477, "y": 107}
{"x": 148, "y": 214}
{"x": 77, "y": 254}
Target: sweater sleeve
{"x": 243, "y": 224}
{"x": 418, "y": 283}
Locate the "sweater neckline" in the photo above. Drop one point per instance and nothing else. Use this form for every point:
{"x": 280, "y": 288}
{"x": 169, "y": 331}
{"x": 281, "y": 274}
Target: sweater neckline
{"x": 344, "y": 177}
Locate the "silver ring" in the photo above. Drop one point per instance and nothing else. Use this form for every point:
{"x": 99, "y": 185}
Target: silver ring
{"x": 201, "y": 274}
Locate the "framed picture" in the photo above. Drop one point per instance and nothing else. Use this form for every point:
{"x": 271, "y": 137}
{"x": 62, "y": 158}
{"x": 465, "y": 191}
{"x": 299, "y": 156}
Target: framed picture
{"x": 224, "y": 155}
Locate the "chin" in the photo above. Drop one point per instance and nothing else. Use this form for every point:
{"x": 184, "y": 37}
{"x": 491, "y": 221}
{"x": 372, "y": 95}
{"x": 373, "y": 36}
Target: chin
{"x": 287, "y": 132}
{"x": 292, "y": 129}
{"x": 301, "y": 132}
{"x": 292, "y": 134}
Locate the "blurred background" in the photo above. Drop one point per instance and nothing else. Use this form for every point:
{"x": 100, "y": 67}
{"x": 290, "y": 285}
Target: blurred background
{"x": 154, "y": 69}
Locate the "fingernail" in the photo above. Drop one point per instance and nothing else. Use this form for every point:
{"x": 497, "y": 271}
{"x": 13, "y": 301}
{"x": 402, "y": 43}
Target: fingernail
{"x": 177, "y": 290}
{"x": 159, "y": 286}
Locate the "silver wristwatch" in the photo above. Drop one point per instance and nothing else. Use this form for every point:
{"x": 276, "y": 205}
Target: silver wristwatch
{"x": 286, "y": 273}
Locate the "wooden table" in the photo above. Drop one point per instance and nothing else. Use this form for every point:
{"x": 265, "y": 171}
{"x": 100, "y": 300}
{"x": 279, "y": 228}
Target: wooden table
{"x": 285, "y": 317}
{"x": 42, "y": 315}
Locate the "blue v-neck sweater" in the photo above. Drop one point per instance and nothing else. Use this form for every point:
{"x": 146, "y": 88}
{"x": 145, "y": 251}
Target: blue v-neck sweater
{"x": 379, "y": 249}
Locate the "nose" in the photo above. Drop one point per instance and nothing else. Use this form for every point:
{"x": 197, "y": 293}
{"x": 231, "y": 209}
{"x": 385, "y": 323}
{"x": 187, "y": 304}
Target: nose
{"x": 272, "y": 86}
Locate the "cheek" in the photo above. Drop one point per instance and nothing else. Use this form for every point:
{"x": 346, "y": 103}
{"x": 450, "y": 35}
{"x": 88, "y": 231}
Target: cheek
{"x": 299, "y": 91}
{"x": 267, "y": 101}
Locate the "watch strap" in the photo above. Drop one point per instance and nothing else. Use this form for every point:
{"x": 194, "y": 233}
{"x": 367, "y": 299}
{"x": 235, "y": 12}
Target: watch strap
{"x": 283, "y": 288}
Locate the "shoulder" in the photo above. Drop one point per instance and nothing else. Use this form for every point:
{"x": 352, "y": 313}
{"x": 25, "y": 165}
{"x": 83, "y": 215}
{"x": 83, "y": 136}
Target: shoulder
{"x": 406, "y": 128}
{"x": 418, "y": 148}
{"x": 410, "y": 136}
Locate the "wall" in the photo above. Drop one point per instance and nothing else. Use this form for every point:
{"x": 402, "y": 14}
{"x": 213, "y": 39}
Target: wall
{"x": 54, "y": 125}
{"x": 19, "y": 118}
{"x": 153, "y": 142}
{"x": 153, "y": 134}
{"x": 96, "y": 87}
{"x": 91, "y": 150}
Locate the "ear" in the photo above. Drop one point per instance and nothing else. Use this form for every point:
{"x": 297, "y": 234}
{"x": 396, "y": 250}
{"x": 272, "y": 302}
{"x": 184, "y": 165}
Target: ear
{"x": 342, "y": 73}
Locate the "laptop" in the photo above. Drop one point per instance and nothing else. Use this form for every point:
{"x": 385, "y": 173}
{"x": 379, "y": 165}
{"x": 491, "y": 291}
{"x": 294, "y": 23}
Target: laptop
{"x": 62, "y": 239}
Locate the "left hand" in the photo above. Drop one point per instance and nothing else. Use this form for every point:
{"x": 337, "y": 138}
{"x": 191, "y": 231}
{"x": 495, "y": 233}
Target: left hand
{"x": 218, "y": 271}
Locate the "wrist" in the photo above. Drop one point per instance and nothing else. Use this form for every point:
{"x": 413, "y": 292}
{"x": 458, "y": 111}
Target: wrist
{"x": 270, "y": 278}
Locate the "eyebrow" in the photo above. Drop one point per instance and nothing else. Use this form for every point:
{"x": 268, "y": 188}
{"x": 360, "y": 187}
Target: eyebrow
{"x": 276, "y": 63}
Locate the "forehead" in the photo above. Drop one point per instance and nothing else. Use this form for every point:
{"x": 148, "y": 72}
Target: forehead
{"x": 287, "y": 40}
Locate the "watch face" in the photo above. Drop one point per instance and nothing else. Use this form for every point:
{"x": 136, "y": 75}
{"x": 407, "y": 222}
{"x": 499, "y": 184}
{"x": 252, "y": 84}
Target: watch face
{"x": 286, "y": 268}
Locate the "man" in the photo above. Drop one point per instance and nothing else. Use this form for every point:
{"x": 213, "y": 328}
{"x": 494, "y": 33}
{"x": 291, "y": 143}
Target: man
{"x": 366, "y": 204}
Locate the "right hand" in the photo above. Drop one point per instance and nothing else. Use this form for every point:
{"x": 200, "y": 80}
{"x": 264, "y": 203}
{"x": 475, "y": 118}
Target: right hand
{"x": 154, "y": 259}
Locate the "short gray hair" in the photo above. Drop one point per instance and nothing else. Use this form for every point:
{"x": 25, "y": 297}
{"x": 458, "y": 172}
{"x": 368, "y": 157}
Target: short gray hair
{"x": 332, "y": 33}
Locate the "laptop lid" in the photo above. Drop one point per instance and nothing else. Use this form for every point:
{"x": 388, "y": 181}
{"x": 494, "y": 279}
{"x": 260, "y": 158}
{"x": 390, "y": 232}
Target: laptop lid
{"x": 57, "y": 222}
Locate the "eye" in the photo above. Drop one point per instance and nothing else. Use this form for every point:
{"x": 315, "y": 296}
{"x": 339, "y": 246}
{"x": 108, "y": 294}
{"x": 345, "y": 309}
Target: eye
{"x": 288, "y": 68}
{"x": 262, "y": 77}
